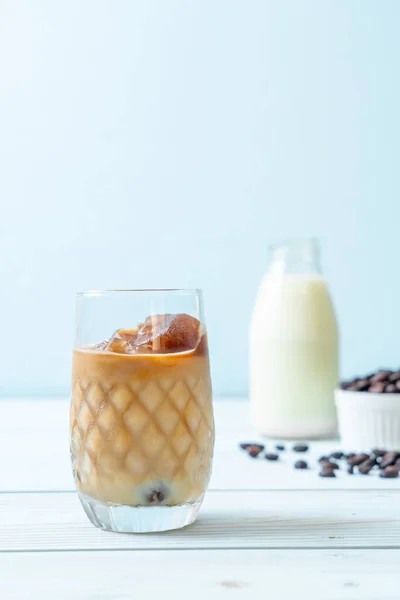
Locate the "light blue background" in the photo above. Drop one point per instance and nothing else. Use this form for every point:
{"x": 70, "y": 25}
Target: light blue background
{"x": 167, "y": 143}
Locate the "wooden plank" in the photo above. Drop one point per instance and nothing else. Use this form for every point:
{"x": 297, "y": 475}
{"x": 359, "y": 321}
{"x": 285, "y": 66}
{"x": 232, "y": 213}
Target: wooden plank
{"x": 34, "y": 438}
{"x": 215, "y": 574}
{"x": 257, "y": 520}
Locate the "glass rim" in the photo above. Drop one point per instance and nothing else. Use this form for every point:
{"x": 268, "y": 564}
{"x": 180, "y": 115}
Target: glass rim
{"x": 171, "y": 291}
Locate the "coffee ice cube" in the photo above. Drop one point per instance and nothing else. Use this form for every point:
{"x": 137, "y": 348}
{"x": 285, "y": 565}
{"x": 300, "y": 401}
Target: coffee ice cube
{"x": 119, "y": 346}
{"x": 117, "y": 343}
{"x": 168, "y": 333}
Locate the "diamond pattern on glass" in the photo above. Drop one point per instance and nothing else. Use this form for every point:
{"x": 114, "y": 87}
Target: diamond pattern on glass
{"x": 159, "y": 429}
{"x": 121, "y": 397}
{"x": 135, "y": 419}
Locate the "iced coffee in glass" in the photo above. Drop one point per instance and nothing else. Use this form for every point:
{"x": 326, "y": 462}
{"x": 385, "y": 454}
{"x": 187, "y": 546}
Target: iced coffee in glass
{"x": 141, "y": 421}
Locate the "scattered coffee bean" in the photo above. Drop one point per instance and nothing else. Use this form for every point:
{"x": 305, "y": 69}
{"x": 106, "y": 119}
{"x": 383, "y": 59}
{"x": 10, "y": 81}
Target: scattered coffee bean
{"x": 378, "y": 388}
{"x": 301, "y": 464}
{"x": 323, "y": 459}
{"x": 331, "y": 465}
{"x": 389, "y": 472}
{"x": 391, "y": 388}
{"x": 363, "y": 470}
{"x": 254, "y": 450}
{"x": 326, "y": 472}
{"x": 247, "y": 445}
{"x": 394, "y": 377}
{"x": 367, "y": 466}
{"x": 379, "y": 452}
{"x": 337, "y": 455}
{"x": 357, "y": 459}
{"x": 300, "y": 448}
{"x": 389, "y": 459}
{"x": 271, "y": 456}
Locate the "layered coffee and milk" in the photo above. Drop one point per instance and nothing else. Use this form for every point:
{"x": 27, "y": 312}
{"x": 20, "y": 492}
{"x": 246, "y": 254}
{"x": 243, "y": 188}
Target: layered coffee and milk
{"x": 142, "y": 429}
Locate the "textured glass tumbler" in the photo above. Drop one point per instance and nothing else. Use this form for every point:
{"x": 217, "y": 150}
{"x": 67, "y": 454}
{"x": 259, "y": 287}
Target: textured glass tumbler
{"x": 141, "y": 418}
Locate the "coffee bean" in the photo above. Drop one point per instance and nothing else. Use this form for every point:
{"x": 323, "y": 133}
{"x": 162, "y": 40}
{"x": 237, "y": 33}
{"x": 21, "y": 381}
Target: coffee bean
{"x": 367, "y": 466}
{"x": 337, "y": 455}
{"x": 326, "y": 472}
{"x": 389, "y": 459}
{"x": 331, "y": 465}
{"x": 397, "y": 463}
{"x": 394, "y": 377}
{"x": 379, "y": 452}
{"x": 301, "y": 464}
{"x": 271, "y": 456}
{"x": 391, "y": 388}
{"x": 363, "y": 470}
{"x": 357, "y": 459}
{"x": 157, "y": 495}
{"x": 300, "y": 448}
{"x": 323, "y": 459}
{"x": 280, "y": 447}
{"x": 377, "y": 388}
{"x": 361, "y": 386}
{"x": 350, "y": 455}
{"x": 346, "y": 384}
{"x": 381, "y": 376}
{"x": 370, "y": 375}
{"x": 254, "y": 450}
{"x": 247, "y": 445}
{"x": 350, "y": 470}
{"x": 390, "y": 472}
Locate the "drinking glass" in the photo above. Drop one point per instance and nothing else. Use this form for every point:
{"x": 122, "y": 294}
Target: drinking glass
{"x": 141, "y": 418}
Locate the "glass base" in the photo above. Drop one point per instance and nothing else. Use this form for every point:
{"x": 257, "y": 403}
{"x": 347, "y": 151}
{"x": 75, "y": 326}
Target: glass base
{"x": 139, "y": 519}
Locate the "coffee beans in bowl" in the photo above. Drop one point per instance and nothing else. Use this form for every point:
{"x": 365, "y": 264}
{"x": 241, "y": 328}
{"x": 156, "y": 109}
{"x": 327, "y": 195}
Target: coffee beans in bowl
{"x": 381, "y": 382}
{"x": 368, "y": 410}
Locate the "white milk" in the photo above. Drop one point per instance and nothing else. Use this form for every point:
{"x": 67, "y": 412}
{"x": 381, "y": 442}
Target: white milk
{"x": 293, "y": 357}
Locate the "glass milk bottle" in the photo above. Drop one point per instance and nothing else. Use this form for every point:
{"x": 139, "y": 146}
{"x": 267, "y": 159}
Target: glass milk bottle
{"x": 294, "y": 347}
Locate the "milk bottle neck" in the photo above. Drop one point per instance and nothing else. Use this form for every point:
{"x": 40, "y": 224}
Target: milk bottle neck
{"x": 301, "y": 257}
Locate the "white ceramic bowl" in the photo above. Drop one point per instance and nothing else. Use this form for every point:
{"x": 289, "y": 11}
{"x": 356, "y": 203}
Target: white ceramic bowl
{"x": 368, "y": 420}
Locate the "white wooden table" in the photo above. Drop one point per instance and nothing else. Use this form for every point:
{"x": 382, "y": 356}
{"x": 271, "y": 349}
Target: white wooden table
{"x": 265, "y": 530}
